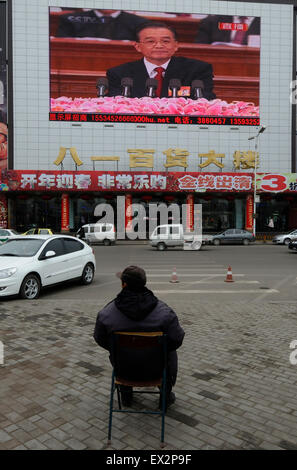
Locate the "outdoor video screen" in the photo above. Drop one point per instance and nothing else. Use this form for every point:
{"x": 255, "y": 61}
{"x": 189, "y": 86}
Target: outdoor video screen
{"x": 152, "y": 67}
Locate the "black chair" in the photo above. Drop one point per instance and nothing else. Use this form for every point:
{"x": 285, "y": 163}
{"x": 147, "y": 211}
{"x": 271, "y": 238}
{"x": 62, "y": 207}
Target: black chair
{"x": 139, "y": 360}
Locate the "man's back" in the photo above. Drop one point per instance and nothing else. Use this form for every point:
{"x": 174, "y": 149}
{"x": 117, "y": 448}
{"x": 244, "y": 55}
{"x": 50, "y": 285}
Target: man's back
{"x": 137, "y": 311}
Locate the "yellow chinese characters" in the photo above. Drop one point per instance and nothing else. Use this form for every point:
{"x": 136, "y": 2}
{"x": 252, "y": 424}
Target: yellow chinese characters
{"x": 245, "y": 160}
{"x": 143, "y": 158}
{"x": 176, "y": 157}
{"x": 73, "y": 153}
{"x": 211, "y": 157}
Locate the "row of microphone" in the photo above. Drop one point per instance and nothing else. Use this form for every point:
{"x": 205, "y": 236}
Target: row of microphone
{"x": 151, "y": 86}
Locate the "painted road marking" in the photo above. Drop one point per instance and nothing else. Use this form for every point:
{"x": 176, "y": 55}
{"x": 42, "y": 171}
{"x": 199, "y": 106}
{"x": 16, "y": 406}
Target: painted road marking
{"x": 193, "y": 274}
{"x": 268, "y": 291}
{"x": 205, "y": 282}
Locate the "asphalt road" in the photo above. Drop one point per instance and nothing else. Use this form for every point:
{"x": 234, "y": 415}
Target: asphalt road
{"x": 259, "y": 272}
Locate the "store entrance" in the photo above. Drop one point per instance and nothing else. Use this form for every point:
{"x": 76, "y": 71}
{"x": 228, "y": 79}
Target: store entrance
{"x": 37, "y": 211}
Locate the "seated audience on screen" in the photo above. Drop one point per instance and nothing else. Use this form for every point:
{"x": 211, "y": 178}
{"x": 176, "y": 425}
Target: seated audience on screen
{"x": 209, "y": 31}
{"x": 109, "y": 24}
{"x": 157, "y": 43}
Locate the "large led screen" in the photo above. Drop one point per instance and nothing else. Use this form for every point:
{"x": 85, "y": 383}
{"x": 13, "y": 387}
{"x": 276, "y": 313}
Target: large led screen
{"x": 152, "y": 67}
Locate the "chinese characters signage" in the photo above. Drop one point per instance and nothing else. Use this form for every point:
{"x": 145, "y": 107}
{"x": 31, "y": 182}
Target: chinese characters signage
{"x": 28, "y": 180}
{"x": 123, "y": 181}
{"x": 175, "y": 157}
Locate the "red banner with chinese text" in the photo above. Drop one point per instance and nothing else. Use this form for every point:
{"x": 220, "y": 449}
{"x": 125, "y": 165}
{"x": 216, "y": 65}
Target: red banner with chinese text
{"x": 190, "y": 212}
{"x": 29, "y": 180}
{"x": 249, "y": 212}
{"x": 128, "y": 212}
{"x": 138, "y": 181}
{"x": 65, "y": 213}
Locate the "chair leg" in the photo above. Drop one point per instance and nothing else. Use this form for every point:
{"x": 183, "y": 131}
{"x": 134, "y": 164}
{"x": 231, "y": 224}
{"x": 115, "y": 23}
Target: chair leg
{"x": 163, "y": 391}
{"x": 119, "y": 397}
{"x": 110, "y": 409}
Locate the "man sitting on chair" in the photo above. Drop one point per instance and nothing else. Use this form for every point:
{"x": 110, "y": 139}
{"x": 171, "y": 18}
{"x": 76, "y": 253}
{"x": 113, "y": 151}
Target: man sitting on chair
{"x": 137, "y": 309}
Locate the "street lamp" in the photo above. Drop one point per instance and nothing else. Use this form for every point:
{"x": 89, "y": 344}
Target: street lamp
{"x": 256, "y": 137}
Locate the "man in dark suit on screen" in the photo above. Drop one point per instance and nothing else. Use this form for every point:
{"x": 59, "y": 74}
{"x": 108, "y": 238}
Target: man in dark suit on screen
{"x": 157, "y": 43}
{"x": 210, "y": 31}
{"x": 109, "y": 24}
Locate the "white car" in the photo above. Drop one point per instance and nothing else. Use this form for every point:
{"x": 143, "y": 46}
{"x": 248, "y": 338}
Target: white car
{"x": 284, "y": 238}
{"x": 6, "y": 233}
{"x": 97, "y": 233}
{"x": 31, "y": 262}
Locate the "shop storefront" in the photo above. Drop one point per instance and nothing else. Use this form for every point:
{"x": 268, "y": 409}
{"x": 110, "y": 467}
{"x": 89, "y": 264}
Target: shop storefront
{"x": 66, "y": 201}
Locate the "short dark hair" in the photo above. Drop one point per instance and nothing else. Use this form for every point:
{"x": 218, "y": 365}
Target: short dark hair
{"x": 154, "y": 24}
{"x": 134, "y": 277}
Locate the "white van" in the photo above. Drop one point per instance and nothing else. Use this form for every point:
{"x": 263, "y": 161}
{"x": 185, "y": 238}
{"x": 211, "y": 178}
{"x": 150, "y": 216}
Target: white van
{"x": 165, "y": 236}
{"x": 97, "y": 233}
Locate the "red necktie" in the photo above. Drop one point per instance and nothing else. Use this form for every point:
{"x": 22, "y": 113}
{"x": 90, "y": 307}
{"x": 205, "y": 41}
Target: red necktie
{"x": 239, "y": 35}
{"x": 159, "y": 77}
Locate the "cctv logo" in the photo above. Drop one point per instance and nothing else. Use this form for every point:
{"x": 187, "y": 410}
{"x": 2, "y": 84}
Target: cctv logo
{"x": 1, "y": 353}
{"x": 293, "y": 355}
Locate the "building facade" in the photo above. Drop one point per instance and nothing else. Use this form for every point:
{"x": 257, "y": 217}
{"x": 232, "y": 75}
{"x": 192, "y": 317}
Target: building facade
{"x": 66, "y": 150}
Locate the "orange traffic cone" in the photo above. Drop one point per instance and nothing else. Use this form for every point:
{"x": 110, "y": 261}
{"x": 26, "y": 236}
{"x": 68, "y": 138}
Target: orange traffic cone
{"x": 229, "y": 275}
{"x": 174, "y": 276}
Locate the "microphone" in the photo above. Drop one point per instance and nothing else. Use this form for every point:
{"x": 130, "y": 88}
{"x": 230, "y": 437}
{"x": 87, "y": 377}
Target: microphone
{"x": 262, "y": 129}
{"x": 197, "y": 87}
{"x": 102, "y": 86}
{"x": 126, "y": 84}
{"x": 174, "y": 85}
{"x": 150, "y": 87}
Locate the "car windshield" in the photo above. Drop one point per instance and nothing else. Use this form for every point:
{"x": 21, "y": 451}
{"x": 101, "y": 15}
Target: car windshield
{"x": 21, "y": 247}
{"x": 14, "y": 232}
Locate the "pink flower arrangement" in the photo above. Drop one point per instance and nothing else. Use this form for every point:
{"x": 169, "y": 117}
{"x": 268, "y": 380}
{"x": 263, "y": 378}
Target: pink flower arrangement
{"x": 159, "y": 106}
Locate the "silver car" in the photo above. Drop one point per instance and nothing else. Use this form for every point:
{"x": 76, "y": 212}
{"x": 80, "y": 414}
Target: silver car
{"x": 284, "y": 238}
{"x": 233, "y": 236}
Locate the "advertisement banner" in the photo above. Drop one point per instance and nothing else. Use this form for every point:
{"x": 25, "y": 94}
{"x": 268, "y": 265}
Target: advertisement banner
{"x": 277, "y": 182}
{"x": 249, "y": 212}
{"x": 128, "y": 212}
{"x": 138, "y": 181}
{"x": 65, "y": 213}
{"x": 190, "y": 212}
{"x": 3, "y": 90}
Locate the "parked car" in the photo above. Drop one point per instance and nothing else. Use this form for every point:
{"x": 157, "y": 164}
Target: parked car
{"x": 284, "y": 238}
{"x": 169, "y": 235}
{"x": 292, "y": 245}
{"x": 97, "y": 233}
{"x": 29, "y": 263}
{"x": 39, "y": 231}
{"x": 6, "y": 233}
{"x": 233, "y": 235}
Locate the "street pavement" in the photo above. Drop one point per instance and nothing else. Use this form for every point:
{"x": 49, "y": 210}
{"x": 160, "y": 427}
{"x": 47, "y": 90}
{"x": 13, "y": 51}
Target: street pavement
{"x": 236, "y": 387}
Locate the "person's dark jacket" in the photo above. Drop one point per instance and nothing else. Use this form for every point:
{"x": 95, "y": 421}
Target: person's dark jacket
{"x": 140, "y": 311}
{"x": 186, "y": 70}
{"x": 209, "y": 32}
{"x": 88, "y": 24}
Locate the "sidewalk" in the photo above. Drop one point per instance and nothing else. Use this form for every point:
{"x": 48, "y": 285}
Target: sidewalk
{"x": 236, "y": 388}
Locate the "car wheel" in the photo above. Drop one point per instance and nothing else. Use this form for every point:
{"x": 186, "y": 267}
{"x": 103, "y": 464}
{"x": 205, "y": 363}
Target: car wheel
{"x": 30, "y": 288}
{"x": 216, "y": 242}
{"x": 88, "y": 274}
{"x": 246, "y": 241}
{"x": 161, "y": 247}
{"x": 106, "y": 242}
{"x": 286, "y": 241}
